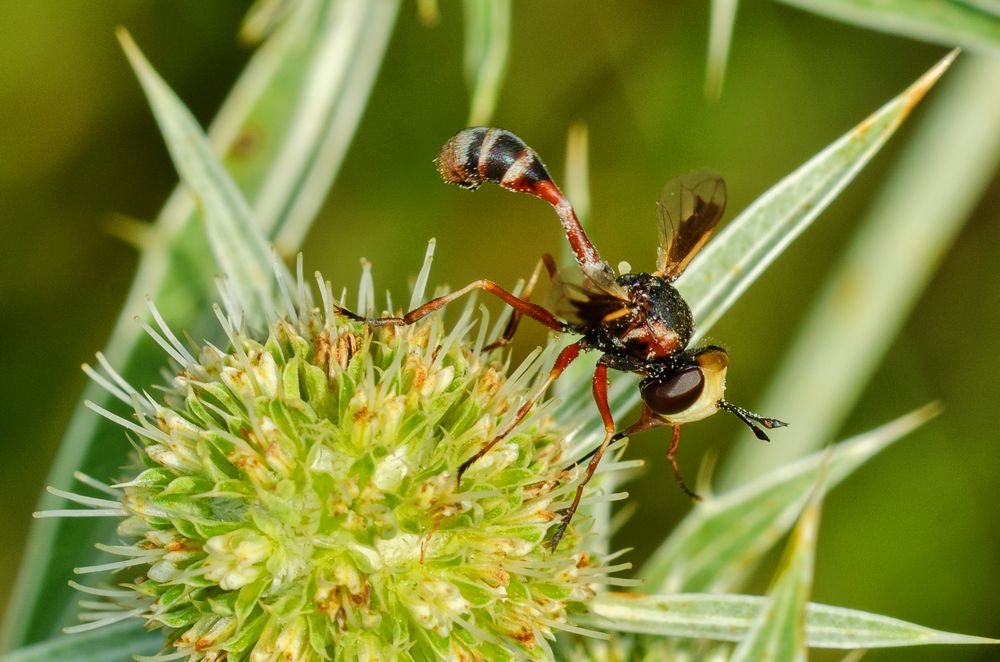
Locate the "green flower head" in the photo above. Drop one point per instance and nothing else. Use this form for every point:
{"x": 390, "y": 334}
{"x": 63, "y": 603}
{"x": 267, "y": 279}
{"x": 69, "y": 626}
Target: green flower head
{"x": 296, "y": 498}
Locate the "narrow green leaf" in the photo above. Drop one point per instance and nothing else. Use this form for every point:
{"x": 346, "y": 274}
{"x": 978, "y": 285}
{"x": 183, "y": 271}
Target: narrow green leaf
{"x": 720, "y": 36}
{"x": 112, "y": 643}
{"x": 942, "y": 171}
{"x": 729, "y": 618}
{"x": 940, "y": 21}
{"x": 487, "y": 44}
{"x": 778, "y": 633}
{"x": 263, "y": 17}
{"x": 239, "y": 245}
{"x": 731, "y": 262}
{"x": 724, "y": 536}
{"x": 337, "y": 83}
{"x": 989, "y": 6}
{"x": 269, "y": 102}
{"x": 428, "y": 12}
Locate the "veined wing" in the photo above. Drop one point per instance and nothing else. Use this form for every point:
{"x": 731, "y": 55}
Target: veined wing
{"x": 577, "y": 299}
{"x": 690, "y": 207}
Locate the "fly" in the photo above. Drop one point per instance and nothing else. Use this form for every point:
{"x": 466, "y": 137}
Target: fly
{"x": 638, "y": 321}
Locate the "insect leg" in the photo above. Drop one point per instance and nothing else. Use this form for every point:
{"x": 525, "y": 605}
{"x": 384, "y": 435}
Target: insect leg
{"x": 647, "y": 421}
{"x": 589, "y": 454}
{"x": 675, "y": 442}
{"x": 601, "y": 398}
{"x": 566, "y": 356}
{"x": 515, "y": 318}
{"x": 520, "y": 305}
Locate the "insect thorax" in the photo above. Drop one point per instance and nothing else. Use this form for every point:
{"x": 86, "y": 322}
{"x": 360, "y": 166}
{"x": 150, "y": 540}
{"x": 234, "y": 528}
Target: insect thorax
{"x": 660, "y": 326}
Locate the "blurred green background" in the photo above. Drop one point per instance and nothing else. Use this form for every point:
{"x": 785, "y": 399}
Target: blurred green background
{"x": 912, "y": 535}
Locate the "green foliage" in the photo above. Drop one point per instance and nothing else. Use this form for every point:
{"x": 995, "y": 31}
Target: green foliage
{"x": 114, "y": 643}
{"x": 720, "y": 543}
{"x": 237, "y": 242}
{"x": 755, "y": 238}
{"x": 273, "y": 196}
{"x": 268, "y": 150}
{"x": 487, "y": 43}
{"x": 729, "y": 617}
{"x": 941, "y": 172}
{"x": 971, "y": 23}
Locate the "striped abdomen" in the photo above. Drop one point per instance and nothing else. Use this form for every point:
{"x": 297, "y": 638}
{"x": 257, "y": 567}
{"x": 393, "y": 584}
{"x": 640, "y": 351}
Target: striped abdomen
{"x": 482, "y": 154}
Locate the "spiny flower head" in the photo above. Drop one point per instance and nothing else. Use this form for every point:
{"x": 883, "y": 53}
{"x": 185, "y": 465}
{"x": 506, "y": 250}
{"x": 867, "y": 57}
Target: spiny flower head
{"x": 296, "y": 497}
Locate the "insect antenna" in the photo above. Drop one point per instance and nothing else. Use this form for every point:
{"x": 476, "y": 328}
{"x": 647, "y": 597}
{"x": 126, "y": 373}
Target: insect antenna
{"x": 751, "y": 419}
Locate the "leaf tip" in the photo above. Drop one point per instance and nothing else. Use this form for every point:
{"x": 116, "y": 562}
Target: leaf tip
{"x": 916, "y": 92}
{"x": 140, "y": 65}
{"x": 898, "y": 428}
{"x": 126, "y": 41}
{"x": 963, "y": 639}
{"x": 928, "y": 411}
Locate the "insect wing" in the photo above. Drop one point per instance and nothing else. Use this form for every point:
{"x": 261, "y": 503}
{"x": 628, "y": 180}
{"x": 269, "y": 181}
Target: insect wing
{"x": 690, "y": 207}
{"x": 575, "y": 297}
{"x": 601, "y": 276}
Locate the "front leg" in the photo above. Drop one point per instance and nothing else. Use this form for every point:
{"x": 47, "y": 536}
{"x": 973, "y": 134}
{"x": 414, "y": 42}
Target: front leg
{"x": 519, "y": 305}
{"x": 565, "y": 358}
{"x": 515, "y": 317}
{"x": 600, "y": 387}
{"x": 649, "y": 420}
{"x": 675, "y": 442}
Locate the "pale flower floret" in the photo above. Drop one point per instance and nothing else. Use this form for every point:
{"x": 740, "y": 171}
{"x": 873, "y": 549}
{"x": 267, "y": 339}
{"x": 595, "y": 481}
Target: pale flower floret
{"x": 399, "y": 550}
{"x": 260, "y": 379}
{"x": 265, "y": 374}
{"x": 140, "y": 504}
{"x": 390, "y": 414}
{"x": 349, "y": 576}
{"x": 502, "y": 455}
{"x": 436, "y": 604}
{"x": 391, "y": 470}
{"x": 166, "y": 457}
{"x": 437, "y": 382}
{"x": 233, "y": 559}
{"x": 163, "y": 571}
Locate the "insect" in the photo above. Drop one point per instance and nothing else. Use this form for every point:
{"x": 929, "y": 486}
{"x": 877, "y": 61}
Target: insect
{"x": 638, "y": 321}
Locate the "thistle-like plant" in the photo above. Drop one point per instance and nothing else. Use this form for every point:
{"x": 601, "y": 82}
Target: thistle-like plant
{"x": 294, "y": 494}
{"x": 292, "y": 489}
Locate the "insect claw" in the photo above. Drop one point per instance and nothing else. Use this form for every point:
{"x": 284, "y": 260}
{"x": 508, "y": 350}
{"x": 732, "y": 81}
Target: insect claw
{"x": 692, "y": 495}
{"x": 554, "y": 543}
{"x": 496, "y": 344}
{"x": 461, "y": 470}
{"x": 349, "y": 314}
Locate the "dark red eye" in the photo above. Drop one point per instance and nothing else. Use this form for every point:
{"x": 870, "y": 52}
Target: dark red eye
{"x": 675, "y": 393}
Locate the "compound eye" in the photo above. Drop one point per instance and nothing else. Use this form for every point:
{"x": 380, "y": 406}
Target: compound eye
{"x": 674, "y": 394}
